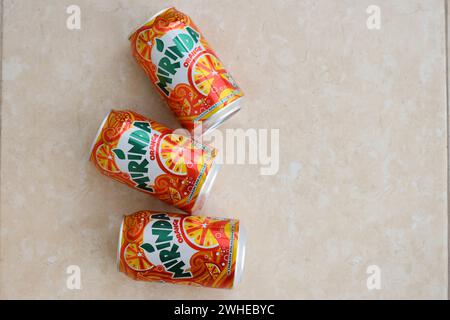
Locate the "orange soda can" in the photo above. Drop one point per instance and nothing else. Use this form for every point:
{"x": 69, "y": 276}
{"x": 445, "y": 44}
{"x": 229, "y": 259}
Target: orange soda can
{"x": 185, "y": 70}
{"x": 177, "y": 248}
{"x": 149, "y": 157}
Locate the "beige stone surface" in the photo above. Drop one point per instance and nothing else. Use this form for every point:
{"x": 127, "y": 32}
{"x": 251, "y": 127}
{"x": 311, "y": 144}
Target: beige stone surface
{"x": 363, "y": 162}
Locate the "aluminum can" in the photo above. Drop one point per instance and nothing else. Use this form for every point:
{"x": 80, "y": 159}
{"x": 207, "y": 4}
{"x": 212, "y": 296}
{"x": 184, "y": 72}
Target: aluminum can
{"x": 177, "y": 248}
{"x": 185, "y": 70}
{"x": 149, "y": 157}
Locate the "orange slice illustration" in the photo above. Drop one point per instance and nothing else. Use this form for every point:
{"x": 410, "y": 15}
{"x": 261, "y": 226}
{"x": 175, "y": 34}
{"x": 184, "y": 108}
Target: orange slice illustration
{"x": 135, "y": 258}
{"x": 182, "y": 108}
{"x": 174, "y": 153}
{"x": 105, "y": 158}
{"x": 174, "y": 194}
{"x": 213, "y": 270}
{"x": 201, "y": 231}
{"x": 207, "y": 71}
{"x": 144, "y": 44}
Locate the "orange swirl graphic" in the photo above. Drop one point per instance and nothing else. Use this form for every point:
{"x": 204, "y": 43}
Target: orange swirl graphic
{"x": 135, "y": 226}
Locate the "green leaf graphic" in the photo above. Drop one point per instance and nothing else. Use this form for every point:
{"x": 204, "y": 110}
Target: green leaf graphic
{"x": 119, "y": 153}
{"x": 147, "y": 247}
{"x": 159, "y": 45}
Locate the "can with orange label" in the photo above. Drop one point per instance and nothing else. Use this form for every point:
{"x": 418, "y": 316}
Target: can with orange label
{"x": 185, "y": 70}
{"x": 176, "y": 248}
{"x": 149, "y": 157}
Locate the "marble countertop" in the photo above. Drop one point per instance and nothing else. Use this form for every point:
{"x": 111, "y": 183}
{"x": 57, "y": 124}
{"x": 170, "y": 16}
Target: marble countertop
{"x": 362, "y": 117}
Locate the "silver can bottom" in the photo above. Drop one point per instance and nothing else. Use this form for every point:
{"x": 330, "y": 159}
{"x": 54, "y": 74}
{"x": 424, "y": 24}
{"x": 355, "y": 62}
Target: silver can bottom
{"x": 240, "y": 256}
{"x": 206, "y": 187}
{"x": 221, "y": 116}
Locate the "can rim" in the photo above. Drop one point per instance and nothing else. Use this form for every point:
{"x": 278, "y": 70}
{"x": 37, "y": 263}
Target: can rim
{"x": 206, "y": 187}
{"x": 98, "y": 133}
{"x": 240, "y": 255}
{"x": 119, "y": 244}
{"x": 219, "y": 118}
{"x": 148, "y": 20}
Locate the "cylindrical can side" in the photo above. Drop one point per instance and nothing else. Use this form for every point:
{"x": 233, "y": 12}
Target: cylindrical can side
{"x": 240, "y": 256}
{"x": 151, "y": 167}
{"x": 159, "y": 246}
{"x": 190, "y": 77}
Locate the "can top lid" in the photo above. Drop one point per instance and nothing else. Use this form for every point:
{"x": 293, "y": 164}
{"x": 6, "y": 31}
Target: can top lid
{"x": 119, "y": 244}
{"x": 148, "y": 20}
{"x": 98, "y": 133}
